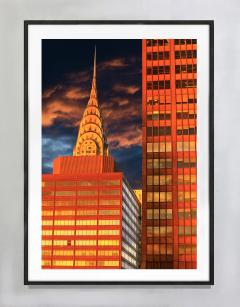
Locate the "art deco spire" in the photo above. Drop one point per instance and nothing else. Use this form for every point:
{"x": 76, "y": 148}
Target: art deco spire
{"x": 91, "y": 139}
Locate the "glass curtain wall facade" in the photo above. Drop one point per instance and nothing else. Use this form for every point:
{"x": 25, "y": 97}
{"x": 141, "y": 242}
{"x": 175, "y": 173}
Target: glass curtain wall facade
{"x": 169, "y": 108}
{"x": 131, "y": 228}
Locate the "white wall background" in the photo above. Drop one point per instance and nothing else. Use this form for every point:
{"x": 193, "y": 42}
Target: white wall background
{"x": 226, "y": 292}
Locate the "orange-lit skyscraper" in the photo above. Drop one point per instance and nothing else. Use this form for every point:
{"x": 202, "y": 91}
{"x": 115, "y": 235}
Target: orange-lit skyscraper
{"x": 90, "y": 214}
{"x": 169, "y": 97}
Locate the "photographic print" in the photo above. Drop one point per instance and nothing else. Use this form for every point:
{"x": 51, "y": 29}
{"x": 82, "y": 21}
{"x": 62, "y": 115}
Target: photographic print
{"x": 118, "y": 152}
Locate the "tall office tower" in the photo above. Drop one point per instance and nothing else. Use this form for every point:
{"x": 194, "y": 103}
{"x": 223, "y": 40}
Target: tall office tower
{"x": 90, "y": 214}
{"x": 169, "y": 97}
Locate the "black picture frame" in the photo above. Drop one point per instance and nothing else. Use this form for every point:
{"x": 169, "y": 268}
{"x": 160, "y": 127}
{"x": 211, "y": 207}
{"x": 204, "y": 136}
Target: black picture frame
{"x": 210, "y": 24}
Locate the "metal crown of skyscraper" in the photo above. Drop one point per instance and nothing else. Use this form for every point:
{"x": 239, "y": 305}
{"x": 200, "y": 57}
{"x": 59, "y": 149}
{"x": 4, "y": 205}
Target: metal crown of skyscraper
{"x": 91, "y": 140}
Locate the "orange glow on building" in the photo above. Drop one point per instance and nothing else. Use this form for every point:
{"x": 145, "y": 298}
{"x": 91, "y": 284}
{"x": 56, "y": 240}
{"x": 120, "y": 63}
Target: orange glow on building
{"x": 90, "y": 214}
{"x": 169, "y": 97}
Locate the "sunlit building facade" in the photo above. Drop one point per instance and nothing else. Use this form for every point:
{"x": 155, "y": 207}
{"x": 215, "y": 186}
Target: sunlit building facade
{"x": 169, "y": 108}
{"x": 90, "y": 214}
{"x": 138, "y": 193}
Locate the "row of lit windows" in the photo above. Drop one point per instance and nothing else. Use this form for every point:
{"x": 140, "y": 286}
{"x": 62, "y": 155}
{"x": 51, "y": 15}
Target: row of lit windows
{"x": 159, "y": 163}
{"x": 159, "y": 147}
{"x": 86, "y": 222}
{"x": 187, "y": 131}
{"x": 187, "y": 179}
{"x": 155, "y": 214}
{"x": 158, "y": 116}
{"x": 80, "y": 222}
{"x": 100, "y": 242}
{"x": 159, "y": 249}
{"x": 187, "y": 249}
{"x": 189, "y": 100}
{"x": 167, "y": 100}
{"x": 108, "y": 253}
{"x": 185, "y": 54}
{"x": 187, "y": 213}
{"x": 46, "y": 262}
{"x": 159, "y": 196}
{"x": 82, "y": 202}
{"x": 162, "y": 99}
{"x": 182, "y": 164}
{"x": 185, "y": 41}
{"x": 83, "y": 263}
{"x": 186, "y": 83}
{"x": 157, "y": 42}
{"x": 47, "y": 213}
{"x": 108, "y": 232}
{"x": 63, "y": 242}
{"x": 188, "y": 159}
{"x": 109, "y": 222}
{"x": 108, "y": 242}
{"x": 80, "y": 232}
{"x": 155, "y": 85}
{"x": 80, "y": 242}
{"x": 108, "y": 263}
{"x": 167, "y": 179}
{"x": 50, "y": 232}
{"x": 186, "y": 68}
{"x": 186, "y": 146}
{"x": 158, "y": 70}
{"x": 165, "y": 42}
{"x": 59, "y": 262}
{"x": 81, "y": 183}
{"x": 156, "y": 131}
{"x": 58, "y": 212}
{"x": 187, "y": 230}
{"x": 109, "y": 202}
{"x": 162, "y": 55}
{"x": 48, "y": 222}
{"x": 167, "y": 116}
{"x": 159, "y": 180}
{"x": 48, "y": 252}
{"x": 162, "y": 249}
{"x": 80, "y": 212}
{"x": 186, "y": 115}
{"x": 82, "y": 193}
{"x": 157, "y": 231}
{"x": 91, "y": 232}
{"x": 187, "y": 195}
{"x": 113, "y": 182}
{"x": 109, "y": 212}
{"x": 62, "y": 252}
{"x": 87, "y": 252}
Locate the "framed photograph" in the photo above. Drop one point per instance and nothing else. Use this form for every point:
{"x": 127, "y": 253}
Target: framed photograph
{"x": 118, "y": 152}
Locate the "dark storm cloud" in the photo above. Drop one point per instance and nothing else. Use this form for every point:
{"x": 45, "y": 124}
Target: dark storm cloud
{"x": 66, "y": 92}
